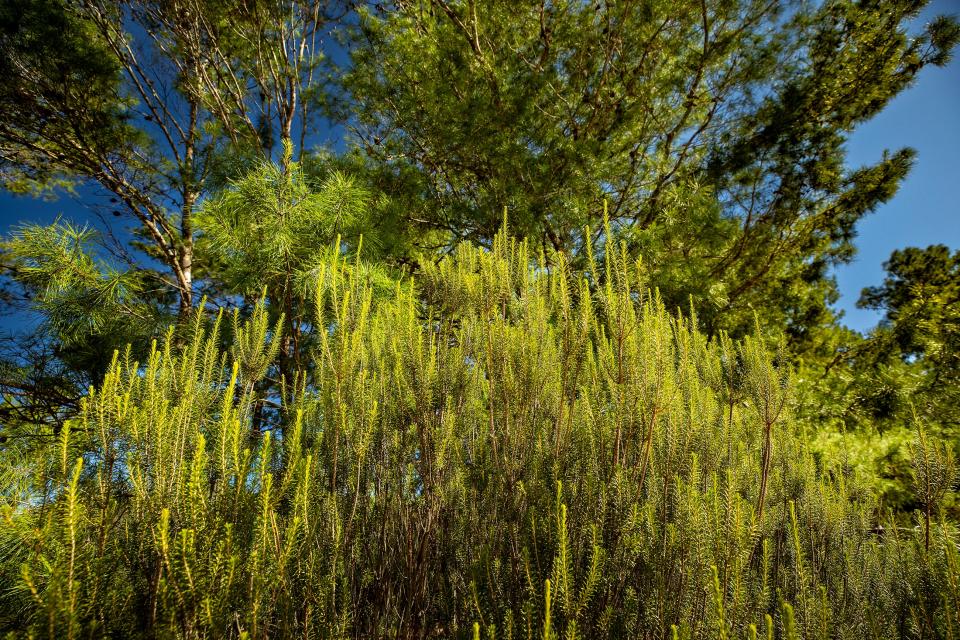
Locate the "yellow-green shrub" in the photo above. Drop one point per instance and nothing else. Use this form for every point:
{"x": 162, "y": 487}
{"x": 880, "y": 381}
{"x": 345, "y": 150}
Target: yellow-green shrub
{"x": 497, "y": 450}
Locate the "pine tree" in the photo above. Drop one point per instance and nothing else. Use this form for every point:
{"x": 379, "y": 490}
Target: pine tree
{"x": 715, "y": 130}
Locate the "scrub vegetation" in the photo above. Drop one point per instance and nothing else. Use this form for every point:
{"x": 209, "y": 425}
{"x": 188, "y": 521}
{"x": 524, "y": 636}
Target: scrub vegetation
{"x": 544, "y": 349}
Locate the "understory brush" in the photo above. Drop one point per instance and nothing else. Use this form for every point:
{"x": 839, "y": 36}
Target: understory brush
{"x": 492, "y": 450}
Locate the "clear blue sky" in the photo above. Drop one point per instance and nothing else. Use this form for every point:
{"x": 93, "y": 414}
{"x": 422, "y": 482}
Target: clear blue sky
{"x": 925, "y": 211}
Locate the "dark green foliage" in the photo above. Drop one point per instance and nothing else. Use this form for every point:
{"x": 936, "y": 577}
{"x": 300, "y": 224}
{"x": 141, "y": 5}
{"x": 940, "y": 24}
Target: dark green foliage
{"x": 920, "y": 332}
{"x": 877, "y": 392}
{"x": 82, "y": 300}
{"x": 85, "y": 307}
{"x": 154, "y": 104}
{"x": 715, "y": 129}
{"x": 60, "y": 94}
{"x": 921, "y": 300}
{"x": 493, "y": 451}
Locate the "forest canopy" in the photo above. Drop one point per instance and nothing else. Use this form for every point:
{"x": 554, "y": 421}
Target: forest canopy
{"x": 447, "y": 318}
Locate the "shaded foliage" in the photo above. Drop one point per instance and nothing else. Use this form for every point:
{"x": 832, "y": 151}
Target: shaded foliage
{"x": 879, "y": 388}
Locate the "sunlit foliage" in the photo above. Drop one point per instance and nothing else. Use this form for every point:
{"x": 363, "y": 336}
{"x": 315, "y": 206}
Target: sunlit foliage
{"x": 494, "y": 450}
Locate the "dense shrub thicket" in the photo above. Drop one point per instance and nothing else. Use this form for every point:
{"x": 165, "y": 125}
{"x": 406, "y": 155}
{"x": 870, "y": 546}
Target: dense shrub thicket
{"x": 491, "y": 451}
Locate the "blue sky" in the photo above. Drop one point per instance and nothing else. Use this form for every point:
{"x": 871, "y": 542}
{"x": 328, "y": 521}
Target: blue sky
{"x": 925, "y": 211}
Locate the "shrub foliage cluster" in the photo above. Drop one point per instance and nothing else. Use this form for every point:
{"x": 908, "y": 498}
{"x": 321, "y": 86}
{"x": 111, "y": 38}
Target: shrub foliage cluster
{"x": 489, "y": 450}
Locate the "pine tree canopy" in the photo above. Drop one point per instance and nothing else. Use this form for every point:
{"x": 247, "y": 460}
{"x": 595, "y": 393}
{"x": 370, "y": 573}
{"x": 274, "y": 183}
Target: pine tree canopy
{"x": 715, "y": 130}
